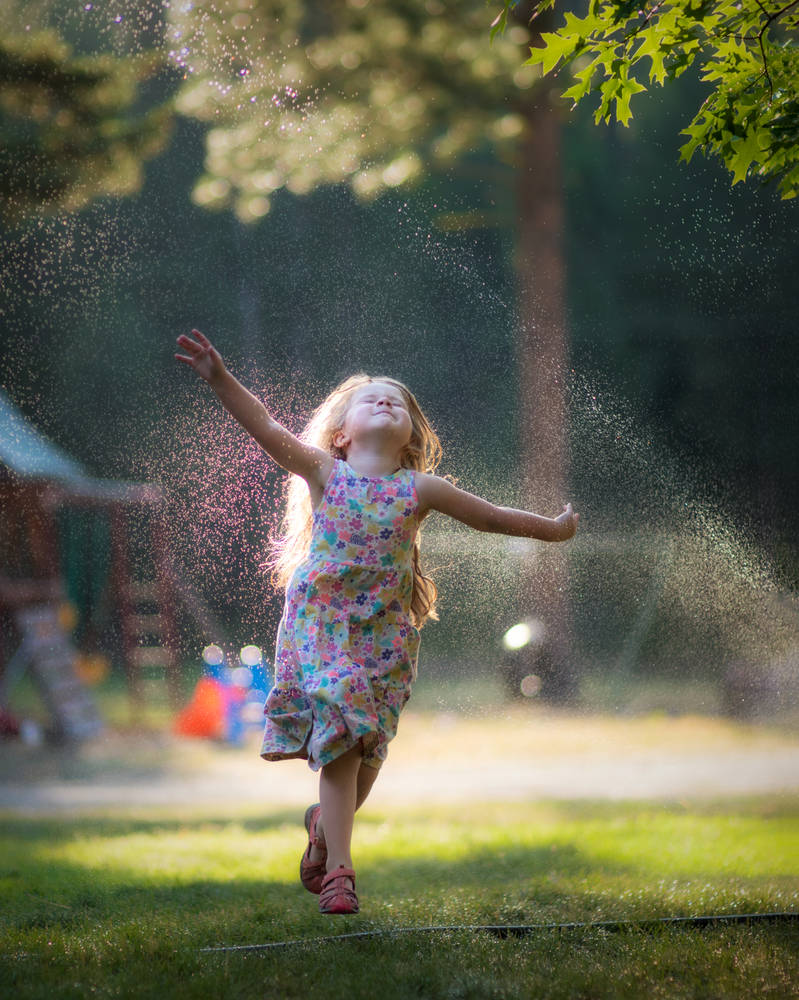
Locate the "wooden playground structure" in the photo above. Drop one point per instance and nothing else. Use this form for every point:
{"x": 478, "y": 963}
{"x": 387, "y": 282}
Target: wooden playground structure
{"x": 119, "y": 543}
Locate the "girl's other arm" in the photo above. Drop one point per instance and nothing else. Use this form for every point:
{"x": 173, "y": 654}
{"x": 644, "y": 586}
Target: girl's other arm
{"x": 439, "y": 494}
{"x": 312, "y": 464}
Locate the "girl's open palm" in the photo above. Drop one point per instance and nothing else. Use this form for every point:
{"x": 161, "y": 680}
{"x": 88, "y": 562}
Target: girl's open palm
{"x": 201, "y": 355}
{"x": 568, "y": 522}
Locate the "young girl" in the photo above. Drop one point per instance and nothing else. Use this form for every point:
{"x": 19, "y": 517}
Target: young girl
{"x": 355, "y": 593}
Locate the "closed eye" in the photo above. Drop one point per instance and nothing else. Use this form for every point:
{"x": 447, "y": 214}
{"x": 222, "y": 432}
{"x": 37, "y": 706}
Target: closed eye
{"x": 388, "y": 399}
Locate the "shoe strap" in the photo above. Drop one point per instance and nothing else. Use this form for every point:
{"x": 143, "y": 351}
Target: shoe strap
{"x": 312, "y": 837}
{"x": 340, "y": 872}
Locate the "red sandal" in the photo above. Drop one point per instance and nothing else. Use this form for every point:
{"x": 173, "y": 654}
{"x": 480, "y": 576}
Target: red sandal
{"x": 338, "y": 892}
{"x": 313, "y": 872}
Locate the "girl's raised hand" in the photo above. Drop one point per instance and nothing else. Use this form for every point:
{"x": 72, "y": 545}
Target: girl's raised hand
{"x": 568, "y": 522}
{"x": 201, "y": 355}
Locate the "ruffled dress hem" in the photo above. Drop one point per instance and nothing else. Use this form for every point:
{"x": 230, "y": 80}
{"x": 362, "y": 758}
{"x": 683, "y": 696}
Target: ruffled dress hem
{"x": 369, "y": 741}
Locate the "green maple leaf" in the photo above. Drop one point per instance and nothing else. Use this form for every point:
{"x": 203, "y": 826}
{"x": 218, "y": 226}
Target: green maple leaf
{"x": 744, "y": 153}
{"x": 651, "y": 46}
{"x": 554, "y": 49}
{"x": 628, "y": 87}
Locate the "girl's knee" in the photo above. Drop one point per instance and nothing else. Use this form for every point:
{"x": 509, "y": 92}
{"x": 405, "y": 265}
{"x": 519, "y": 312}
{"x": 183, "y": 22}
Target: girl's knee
{"x": 349, "y": 760}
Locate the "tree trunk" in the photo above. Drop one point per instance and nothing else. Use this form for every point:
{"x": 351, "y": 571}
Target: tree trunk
{"x": 543, "y": 347}
{"x": 543, "y": 366}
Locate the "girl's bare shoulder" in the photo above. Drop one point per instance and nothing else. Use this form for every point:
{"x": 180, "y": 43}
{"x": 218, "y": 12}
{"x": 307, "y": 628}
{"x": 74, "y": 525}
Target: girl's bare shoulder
{"x": 431, "y": 490}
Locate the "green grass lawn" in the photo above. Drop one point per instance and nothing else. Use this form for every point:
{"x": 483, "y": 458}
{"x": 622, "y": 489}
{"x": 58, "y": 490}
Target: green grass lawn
{"x": 123, "y": 904}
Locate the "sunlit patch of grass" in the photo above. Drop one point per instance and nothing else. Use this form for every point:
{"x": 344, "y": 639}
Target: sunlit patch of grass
{"x": 123, "y": 905}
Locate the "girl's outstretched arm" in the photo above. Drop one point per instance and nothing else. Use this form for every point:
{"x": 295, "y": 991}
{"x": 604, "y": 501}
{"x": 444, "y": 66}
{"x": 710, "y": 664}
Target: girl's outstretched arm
{"x": 313, "y": 464}
{"x": 439, "y": 494}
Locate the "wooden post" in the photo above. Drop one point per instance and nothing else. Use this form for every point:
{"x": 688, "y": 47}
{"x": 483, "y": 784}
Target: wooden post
{"x": 121, "y": 582}
{"x": 166, "y": 600}
{"x": 41, "y": 530}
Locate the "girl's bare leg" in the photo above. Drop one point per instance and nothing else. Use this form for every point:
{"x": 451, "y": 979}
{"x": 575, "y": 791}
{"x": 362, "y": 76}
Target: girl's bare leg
{"x": 366, "y": 778}
{"x": 338, "y": 793}
{"x": 344, "y": 785}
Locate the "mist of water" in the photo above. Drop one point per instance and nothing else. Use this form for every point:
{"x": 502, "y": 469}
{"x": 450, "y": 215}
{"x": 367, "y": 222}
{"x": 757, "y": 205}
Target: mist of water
{"x": 661, "y": 578}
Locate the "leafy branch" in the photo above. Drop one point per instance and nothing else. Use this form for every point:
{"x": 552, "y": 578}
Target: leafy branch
{"x": 745, "y": 51}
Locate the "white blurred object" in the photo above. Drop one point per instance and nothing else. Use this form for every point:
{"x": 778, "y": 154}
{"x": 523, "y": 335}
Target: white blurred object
{"x": 213, "y": 655}
{"x": 241, "y": 677}
{"x": 30, "y": 733}
{"x": 521, "y": 635}
{"x": 250, "y": 656}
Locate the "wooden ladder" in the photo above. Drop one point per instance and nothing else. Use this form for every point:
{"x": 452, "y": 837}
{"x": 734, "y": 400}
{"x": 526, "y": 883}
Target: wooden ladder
{"x": 146, "y": 600}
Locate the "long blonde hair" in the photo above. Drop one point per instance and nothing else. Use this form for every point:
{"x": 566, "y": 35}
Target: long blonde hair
{"x": 423, "y": 452}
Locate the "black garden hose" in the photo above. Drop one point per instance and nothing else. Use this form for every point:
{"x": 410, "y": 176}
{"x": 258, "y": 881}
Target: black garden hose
{"x": 523, "y": 930}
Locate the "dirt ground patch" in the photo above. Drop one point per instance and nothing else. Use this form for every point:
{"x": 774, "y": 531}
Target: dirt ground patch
{"x": 437, "y": 757}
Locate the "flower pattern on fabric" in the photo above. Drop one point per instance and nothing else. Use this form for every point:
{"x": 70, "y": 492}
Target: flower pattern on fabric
{"x": 346, "y": 645}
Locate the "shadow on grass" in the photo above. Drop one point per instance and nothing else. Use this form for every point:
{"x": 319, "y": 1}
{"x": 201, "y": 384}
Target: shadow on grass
{"x": 129, "y": 919}
{"x": 66, "y": 828}
{"x": 130, "y": 883}
{"x": 521, "y": 885}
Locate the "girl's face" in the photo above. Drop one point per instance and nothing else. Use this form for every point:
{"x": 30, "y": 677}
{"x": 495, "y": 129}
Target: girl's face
{"x": 378, "y": 411}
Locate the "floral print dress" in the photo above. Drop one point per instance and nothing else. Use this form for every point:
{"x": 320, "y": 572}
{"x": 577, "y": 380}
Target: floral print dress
{"x": 346, "y": 646}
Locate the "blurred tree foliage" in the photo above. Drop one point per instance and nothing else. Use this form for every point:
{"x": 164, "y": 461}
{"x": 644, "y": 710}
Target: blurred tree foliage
{"x": 72, "y": 127}
{"x": 371, "y": 93}
{"x": 745, "y": 49}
